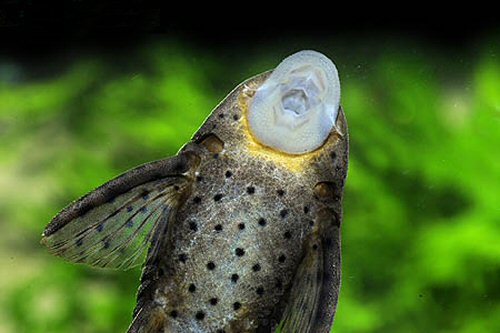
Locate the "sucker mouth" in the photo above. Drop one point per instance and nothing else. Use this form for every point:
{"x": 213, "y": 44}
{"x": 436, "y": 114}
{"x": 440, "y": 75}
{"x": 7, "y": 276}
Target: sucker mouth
{"x": 295, "y": 101}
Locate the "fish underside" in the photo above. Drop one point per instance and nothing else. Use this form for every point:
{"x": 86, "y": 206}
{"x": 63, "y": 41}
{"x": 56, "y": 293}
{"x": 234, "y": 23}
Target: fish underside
{"x": 235, "y": 236}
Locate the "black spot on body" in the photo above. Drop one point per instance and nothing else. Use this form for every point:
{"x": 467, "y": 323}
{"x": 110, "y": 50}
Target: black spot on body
{"x": 234, "y": 278}
{"x": 193, "y": 226}
{"x": 256, "y": 268}
{"x": 100, "y": 227}
{"x": 284, "y": 213}
{"x": 306, "y": 209}
{"x": 236, "y": 306}
{"x": 287, "y": 235}
{"x": 279, "y": 284}
{"x": 211, "y": 266}
{"x": 199, "y": 178}
{"x": 241, "y": 226}
{"x": 182, "y": 257}
{"x": 173, "y": 314}
{"x": 176, "y": 187}
{"x": 228, "y": 174}
{"x": 260, "y": 291}
{"x": 130, "y": 208}
{"x": 192, "y": 288}
{"x": 218, "y": 227}
{"x": 217, "y": 197}
{"x": 215, "y": 156}
{"x": 200, "y": 315}
{"x": 262, "y": 222}
{"x": 196, "y": 200}
{"x": 214, "y": 301}
{"x": 315, "y": 246}
{"x": 250, "y": 190}
{"x": 281, "y": 193}
{"x": 235, "y": 117}
{"x": 282, "y": 258}
{"x": 239, "y": 252}
{"x": 221, "y": 115}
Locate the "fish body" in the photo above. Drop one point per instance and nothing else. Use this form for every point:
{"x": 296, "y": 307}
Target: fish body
{"x": 241, "y": 237}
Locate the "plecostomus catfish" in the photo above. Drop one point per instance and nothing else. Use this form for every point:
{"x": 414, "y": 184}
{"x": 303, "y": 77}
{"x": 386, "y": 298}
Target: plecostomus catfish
{"x": 240, "y": 231}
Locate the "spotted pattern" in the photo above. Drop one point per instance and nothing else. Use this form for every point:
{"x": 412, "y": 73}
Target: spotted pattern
{"x": 237, "y": 233}
{"x": 251, "y": 219}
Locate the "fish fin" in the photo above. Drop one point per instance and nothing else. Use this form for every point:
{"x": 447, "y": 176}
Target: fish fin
{"x": 148, "y": 317}
{"x": 147, "y": 320}
{"x": 114, "y": 225}
{"x": 313, "y": 297}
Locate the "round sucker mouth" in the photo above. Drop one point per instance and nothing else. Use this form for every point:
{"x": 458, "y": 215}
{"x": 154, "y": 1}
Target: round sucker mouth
{"x": 294, "y": 110}
{"x": 295, "y": 101}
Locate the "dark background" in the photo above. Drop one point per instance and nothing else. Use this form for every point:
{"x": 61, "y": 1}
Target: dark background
{"x": 49, "y": 26}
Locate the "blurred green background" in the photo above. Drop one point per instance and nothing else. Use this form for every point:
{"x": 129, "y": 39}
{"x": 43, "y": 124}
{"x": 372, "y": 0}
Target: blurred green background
{"x": 421, "y": 232}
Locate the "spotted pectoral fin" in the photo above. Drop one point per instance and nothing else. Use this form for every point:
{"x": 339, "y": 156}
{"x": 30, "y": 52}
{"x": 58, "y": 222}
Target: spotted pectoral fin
{"x": 114, "y": 225}
{"x": 313, "y": 297}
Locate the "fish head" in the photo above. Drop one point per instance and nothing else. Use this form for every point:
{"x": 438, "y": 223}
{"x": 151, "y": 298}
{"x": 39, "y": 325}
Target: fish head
{"x": 290, "y": 115}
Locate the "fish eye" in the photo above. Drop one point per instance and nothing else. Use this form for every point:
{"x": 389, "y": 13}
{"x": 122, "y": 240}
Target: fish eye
{"x": 295, "y": 109}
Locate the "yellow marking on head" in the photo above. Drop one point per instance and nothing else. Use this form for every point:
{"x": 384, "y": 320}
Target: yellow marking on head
{"x": 294, "y": 163}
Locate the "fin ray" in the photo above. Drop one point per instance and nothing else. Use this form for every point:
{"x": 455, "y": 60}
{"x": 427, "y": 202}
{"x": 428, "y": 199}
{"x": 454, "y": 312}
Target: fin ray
{"x": 299, "y": 315}
{"x": 114, "y": 225}
{"x": 312, "y": 302}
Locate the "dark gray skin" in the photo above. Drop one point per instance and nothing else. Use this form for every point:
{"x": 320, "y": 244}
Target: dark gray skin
{"x": 251, "y": 236}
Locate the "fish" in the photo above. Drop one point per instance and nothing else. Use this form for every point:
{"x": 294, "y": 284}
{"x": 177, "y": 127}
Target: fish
{"x": 240, "y": 230}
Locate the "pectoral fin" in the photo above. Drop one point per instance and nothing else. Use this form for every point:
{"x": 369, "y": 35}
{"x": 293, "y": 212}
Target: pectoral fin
{"x": 313, "y": 297}
{"x": 114, "y": 225}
